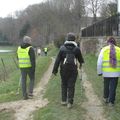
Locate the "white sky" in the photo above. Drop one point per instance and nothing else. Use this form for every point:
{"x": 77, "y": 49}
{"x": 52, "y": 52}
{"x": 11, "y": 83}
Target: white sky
{"x": 8, "y": 7}
{"x": 119, "y": 6}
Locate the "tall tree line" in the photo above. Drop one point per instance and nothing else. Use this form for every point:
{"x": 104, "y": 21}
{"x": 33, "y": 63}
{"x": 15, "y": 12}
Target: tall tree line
{"x": 46, "y": 21}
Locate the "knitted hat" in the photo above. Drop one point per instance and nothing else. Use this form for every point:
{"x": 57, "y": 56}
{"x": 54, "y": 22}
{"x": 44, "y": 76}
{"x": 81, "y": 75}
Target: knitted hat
{"x": 111, "y": 40}
{"x": 26, "y": 39}
{"x": 70, "y": 37}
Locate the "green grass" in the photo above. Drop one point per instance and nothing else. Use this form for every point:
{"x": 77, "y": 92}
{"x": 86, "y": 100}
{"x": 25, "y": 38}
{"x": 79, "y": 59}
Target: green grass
{"x": 7, "y": 115}
{"x": 8, "y": 62}
{"x": 11, "y": 81}
{"x": 91, "y": 70}
{"x": 9, "y": 87}
{"x": 52, "y": 50}
{"x": 54, "y": 110}
{"x": 97, "y": 84}
{"x": 8, "y": 48}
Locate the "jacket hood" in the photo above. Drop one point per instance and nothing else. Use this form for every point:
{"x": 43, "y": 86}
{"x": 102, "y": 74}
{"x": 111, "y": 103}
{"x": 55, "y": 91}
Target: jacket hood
{"x": 25, "y": 45}
{"x": 70, "y": 44}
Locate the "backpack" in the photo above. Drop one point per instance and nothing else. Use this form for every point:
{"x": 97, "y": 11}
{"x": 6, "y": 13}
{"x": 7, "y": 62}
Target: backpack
{"x": 70, "y": 57}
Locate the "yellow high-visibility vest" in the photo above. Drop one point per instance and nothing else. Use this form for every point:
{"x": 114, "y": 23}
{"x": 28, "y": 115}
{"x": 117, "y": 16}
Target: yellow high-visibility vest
{"x": 45, "y": 49}
{"x": 106, "y": 67}
{"x": 23, "y": 57}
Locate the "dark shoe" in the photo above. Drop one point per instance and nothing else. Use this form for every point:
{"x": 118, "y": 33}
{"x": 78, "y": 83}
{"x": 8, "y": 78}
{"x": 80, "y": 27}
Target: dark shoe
{"x": 25, "y": 97}
{"x": 111, "y": 104}
{"x": 63, "y": 103}
{"x": 105, "y": 100}
{"x": 30, "y": 95}
{"x": 69, "y": 105}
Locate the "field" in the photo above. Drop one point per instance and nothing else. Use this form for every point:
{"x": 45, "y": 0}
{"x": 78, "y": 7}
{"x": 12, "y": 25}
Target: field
{"x": 97, "y": 83}
{"x": 54, "y": 110}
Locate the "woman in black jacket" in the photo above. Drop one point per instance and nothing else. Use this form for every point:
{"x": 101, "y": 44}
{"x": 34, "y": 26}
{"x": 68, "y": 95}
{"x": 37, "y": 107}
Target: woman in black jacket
{"x": 67, "y": 58}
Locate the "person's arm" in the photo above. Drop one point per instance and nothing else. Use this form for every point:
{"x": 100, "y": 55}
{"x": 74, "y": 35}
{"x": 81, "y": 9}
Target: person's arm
{"x": 32, "y": 58}
{"x": 57, "y": 63}
{"x": 80, "y": 57}
{"x": 99, "y": 63}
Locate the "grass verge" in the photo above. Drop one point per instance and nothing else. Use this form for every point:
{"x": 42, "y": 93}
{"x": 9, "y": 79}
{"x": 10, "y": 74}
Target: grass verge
{"x": 97, "y": 84}
{"x": 7, "y": 115}
{"x": 54, "y": 110}
{"x": 9, "y": 87}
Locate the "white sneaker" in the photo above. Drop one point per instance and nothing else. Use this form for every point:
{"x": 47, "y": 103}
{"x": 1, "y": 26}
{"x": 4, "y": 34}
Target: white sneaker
{"x": 69, "y": 105}
{"x": 111, "y": 104}
{"x": 63, "y": 103}
{"x": 105, "y": 100}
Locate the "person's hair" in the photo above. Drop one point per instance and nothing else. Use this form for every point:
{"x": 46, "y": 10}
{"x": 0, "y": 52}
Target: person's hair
{"x": 111, "y": 40}
{"x": 112, "y": 55}
{"x": 70, "y": 36}
{"x": 26, "y": 39}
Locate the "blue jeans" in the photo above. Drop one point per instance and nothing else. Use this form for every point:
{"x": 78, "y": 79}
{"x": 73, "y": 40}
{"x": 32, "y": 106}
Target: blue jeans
{"x": 110, "y": 85}
{"x": 68, "y": 84}
{"x": 24, "y": 73}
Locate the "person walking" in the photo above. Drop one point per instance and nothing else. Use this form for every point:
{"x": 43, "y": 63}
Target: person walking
{"x": 26, "y": 59}
{"x": 38, "y": 51}
{"x": 108, "y": 65}
{"x": 45, "y": 51}
{"x": 67, "y": 58}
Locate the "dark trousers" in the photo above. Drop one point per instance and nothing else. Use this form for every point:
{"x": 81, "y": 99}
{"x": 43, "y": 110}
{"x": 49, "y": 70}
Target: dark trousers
{"x": 24, "y": 73}
{"x": 68, "y": 80}
{"x": 45, "y": 53}
{"x": 110, "y": 85}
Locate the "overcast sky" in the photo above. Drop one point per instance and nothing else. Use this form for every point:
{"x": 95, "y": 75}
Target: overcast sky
{"x": 119, "y": 6}
{"x": 10, "y": 6}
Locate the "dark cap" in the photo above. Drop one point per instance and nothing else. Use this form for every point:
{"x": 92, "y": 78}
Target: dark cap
{"x": 70, "y": 37}
{"x": 26, "y": 39}
{"x": 111, "y": 40}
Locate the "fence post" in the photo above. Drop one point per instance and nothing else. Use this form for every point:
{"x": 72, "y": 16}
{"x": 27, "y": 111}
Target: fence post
{"x": 5, "y": 72}
{"x": 15, "y": 63}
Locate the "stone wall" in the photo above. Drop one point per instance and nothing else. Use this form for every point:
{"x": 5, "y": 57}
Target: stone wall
{"x": 93, "y": 45}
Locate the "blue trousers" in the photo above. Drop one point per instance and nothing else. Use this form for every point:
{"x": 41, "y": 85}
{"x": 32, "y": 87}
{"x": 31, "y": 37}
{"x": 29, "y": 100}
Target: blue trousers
{"x": 68, "y": 80}
{"x": 24, "y": 73}
{"x": 110, "y": 85}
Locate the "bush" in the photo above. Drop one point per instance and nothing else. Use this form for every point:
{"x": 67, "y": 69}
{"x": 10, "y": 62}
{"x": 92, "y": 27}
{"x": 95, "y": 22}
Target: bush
{"x": 58, "y": 42}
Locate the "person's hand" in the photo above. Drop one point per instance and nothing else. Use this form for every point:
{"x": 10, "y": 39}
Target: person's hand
{"x": 32, "y": 69}
{"x": 80, "y": 66}
{"x": 54, "y": 73}
{"x": 99, "y": 74}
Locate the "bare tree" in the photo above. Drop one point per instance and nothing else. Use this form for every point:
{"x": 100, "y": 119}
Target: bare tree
{"x": 108, "y": 9}
{"x": 47, "y": 20}
{"x": 94, "y": 6}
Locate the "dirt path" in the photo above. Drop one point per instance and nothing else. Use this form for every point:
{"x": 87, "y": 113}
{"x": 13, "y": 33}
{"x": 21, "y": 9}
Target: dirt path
{"x": 93, "y": 105}
{"x": 24, "y": 108}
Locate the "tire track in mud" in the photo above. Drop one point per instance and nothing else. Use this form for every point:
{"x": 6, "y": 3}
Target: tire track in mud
{"x": 24, "y": 108}
{"x": 93, "y": 105}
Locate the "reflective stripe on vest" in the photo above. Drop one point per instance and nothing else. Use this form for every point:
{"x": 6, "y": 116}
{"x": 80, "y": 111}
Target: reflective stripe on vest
{"x": 23, "y": 57}
{"x": 106, "y": 67}
{"x": 45, "y": 49}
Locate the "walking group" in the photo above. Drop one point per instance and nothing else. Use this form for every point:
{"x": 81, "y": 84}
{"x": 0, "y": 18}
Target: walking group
{"x": 69, "y": 58}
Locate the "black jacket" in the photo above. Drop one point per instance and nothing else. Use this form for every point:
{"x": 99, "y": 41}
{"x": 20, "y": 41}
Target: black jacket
{"x": 31, "y": 54}
{"x": 62, "y": 54}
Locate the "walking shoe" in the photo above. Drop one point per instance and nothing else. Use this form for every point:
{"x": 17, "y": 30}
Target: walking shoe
{"x": 25, "y": 97}
{"x": 105, "y": 100}
{"x": 63, "y": 103}
{"x": 69, "y": 105}
{"x": 30, "y": 95}
{"x": 111, "y": 104}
